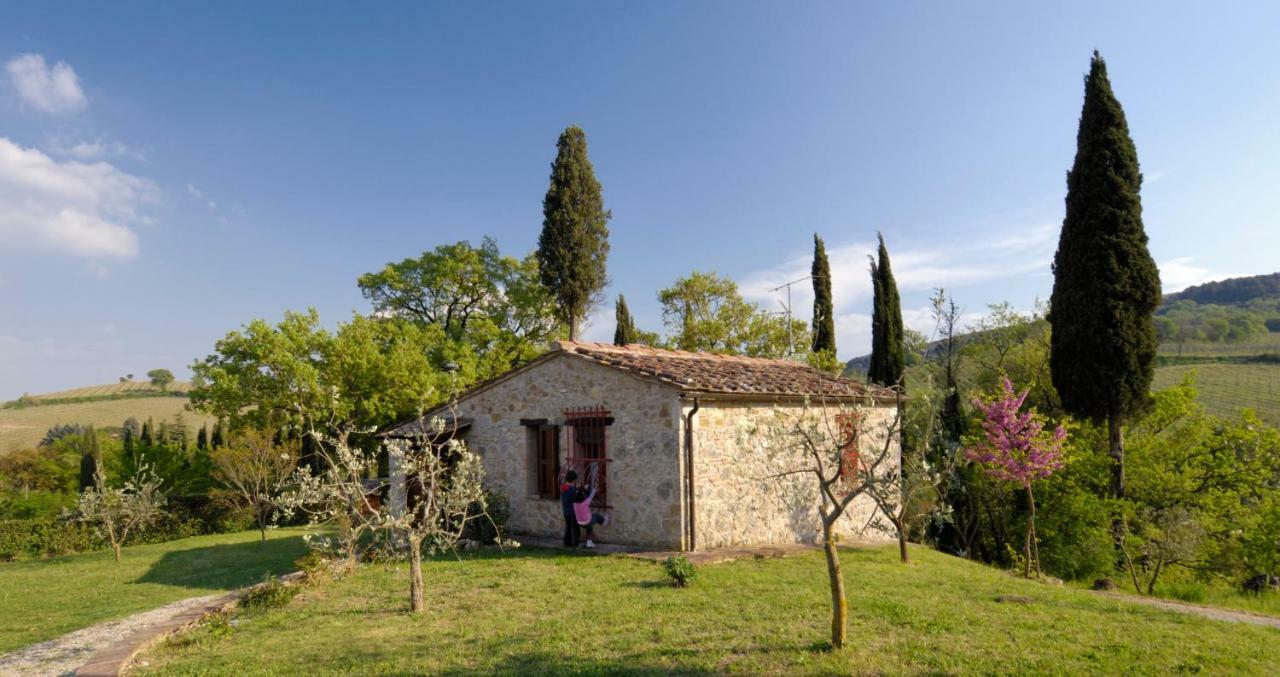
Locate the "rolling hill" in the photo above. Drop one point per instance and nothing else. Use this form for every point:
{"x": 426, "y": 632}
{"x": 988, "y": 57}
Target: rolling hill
{"x": 23, "y": 422}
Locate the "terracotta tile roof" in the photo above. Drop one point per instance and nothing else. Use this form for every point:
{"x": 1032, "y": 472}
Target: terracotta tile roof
{"x": 723, "y": 374}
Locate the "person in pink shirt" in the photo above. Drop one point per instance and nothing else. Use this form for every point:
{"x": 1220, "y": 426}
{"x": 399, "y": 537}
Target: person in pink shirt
{"x": 582, "y": 512}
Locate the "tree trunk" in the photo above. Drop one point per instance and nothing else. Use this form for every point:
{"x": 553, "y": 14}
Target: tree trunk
{"x": 902, "y": 541}
{"x": 262, "y": 523}
{"x": 1033, "y": 548}
{"x": 839, "y": 606}
{"x": 1116, "y": 439}
{"x": 116, "y": 548}
{"x": 416, "y": 602}
{"x": 573, "y": 326}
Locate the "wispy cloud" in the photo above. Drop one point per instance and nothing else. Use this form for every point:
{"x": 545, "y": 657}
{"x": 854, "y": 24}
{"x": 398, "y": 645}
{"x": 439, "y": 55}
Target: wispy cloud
{"x": 77, "y": 208}
{"x": 49, "y": 89}
{"x": 96, "y": 149}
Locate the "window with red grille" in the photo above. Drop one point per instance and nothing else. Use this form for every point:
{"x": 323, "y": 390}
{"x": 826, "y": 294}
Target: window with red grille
{"x": 588, "y": 449}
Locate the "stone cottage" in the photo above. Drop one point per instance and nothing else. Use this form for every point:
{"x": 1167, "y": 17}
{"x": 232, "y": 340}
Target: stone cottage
{"x": 672, "y": 437}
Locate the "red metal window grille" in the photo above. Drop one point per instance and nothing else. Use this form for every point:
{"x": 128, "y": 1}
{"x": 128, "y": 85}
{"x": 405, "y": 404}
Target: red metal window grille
{"x": 588, "y": 449}
{"x": 847, "y": 429}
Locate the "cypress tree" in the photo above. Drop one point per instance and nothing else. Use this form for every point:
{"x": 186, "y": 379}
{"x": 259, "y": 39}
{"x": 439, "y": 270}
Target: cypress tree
{"x": 202, "y": 438}
{"x": 624, "y": 329}
{"x": 89, "y": 459}
{"x": 1106, "y": 286}
{"x": 887, "y": 361}
{"x": 148, "y": 437}
{"x": 824, "y": 321}
{"x": 574, "y": 242}
{"x": 216, "y": 439}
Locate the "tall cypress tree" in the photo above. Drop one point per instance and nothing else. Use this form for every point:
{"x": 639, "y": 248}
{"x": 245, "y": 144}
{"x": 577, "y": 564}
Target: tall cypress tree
{"x": 624, "y": 329}
{"x": 1106, "y": 286}
{"x": 89, "y": 455}
{"x": 887, "y": 361}
{"x": 574, "y": 242}
{"x": 824, "y": 321}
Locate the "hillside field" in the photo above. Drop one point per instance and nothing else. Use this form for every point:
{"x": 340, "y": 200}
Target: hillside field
{"x": 122, "y": 389}
{"x": 25, "y": 426}
{"x": 1225, "y": 389}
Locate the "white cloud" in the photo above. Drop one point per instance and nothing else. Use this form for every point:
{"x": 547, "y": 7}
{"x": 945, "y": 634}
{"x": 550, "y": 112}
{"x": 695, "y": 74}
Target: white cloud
{"x": 90, "y": 150}
{"x": 53, "y": 89}
{"x": 1182, "y": 272}
{"x": 77, "y": 208}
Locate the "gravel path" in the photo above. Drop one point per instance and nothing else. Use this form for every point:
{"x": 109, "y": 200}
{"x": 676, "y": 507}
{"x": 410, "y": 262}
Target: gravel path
{"x": 63, "y": 655}
{"x": 1216, "y": 613}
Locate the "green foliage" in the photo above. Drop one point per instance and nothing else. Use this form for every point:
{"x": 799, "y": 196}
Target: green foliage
{"x": 1234, "y": 291}
{"x": 680, "y": 570}
{"x": 1106, "y": 285}
{"x": 295, "y": 374}
{"x": 272, "y": 593}
{"x": 574, "y": 242}
{"x": 824, "y": 320}
{"x": 494, "y": 308}
{"x": 160, "y": 378}
{"x": 705, "y": 312}
{"x": 1185, "y": 321}
{"x": 1006, "y": 342}
{"x": 887, "y": 361}
{"x": 624, "y": 327}
{"x": 45, "y": 537}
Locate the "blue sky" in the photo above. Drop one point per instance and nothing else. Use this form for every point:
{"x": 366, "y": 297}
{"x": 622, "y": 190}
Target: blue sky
{"x": 169, "y": 171}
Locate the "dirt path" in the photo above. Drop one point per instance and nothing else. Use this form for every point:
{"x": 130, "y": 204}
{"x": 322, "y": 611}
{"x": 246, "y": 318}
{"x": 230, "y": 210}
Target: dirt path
{"x": 1216, "y": 613}
{"x": 63, "y": 655}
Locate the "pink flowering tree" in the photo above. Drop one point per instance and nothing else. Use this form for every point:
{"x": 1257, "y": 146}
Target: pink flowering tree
{"x": 1015, "y": 447}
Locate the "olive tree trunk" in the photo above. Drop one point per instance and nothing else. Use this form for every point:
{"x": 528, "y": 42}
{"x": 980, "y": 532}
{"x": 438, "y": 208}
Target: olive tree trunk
{"x": 417, "y": 603}
{"x": 839, "y": 605}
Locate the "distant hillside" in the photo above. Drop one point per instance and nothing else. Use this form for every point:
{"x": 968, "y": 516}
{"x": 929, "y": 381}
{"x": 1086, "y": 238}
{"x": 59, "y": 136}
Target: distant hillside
{"x": 23, "y": 422}
{"x": 1233, "y": 291}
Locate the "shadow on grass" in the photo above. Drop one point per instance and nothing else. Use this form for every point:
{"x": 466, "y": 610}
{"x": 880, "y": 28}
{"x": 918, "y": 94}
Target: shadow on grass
{"x": 226, "y": 567}
{"x": 550, "y": 664}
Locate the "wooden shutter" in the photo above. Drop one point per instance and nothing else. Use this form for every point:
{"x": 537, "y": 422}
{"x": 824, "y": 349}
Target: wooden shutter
{"x": 548, "y": 449}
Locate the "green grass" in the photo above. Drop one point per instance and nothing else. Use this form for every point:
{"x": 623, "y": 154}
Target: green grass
{"x": 1227, "y": 388}
{"x": 537, "y": 612}
{"x": 42, "y": 599}
{"x": 1268, "y": 344}
{"x": 26, "y": 426}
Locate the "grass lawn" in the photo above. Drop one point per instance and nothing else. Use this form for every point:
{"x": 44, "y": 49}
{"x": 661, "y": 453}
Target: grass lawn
{"x": 541, "y": 612}
{"x": 42, "y": 599}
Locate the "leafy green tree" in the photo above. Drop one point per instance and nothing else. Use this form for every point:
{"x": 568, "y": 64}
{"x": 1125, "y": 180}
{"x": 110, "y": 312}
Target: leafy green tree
{"x": 160, "y": 378}
{"x": 491, "y": 306}
{"x": 1106, "y": 285}
{"x": 824, "y": 320}
{"x": 624, "y": 327}
{"x": 297, "y": 375}
{"x": 574, "y": 242}
{"x": 887, "y": 361}
{"x": 705, "y": 312}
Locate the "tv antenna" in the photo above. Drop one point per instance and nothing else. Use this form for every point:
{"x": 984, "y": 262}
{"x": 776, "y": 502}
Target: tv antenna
{"x": 786, "y": 309}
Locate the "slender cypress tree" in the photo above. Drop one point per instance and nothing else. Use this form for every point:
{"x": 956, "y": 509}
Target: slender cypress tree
{"x": 574, "y": 242}
{"x": 148, "y": 436}
{"x": 216, "y": 438}
{"x": 202, "y": 438}
{"x": 89, "y": 458}
{"x": 624, "y": 330}
{"x": 887, "y": 361}
{"x": 824, "y": 321}
{"x": 1106, "y": 286}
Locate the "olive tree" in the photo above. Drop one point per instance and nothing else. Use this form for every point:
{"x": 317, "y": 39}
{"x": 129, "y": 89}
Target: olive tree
{"x": 118, "y": 511}
{"x": 834, "y": 454}
{"x": 256, "y": 469}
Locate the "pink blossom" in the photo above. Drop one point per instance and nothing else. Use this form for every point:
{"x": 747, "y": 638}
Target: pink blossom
{"x": 1015, "y": 446}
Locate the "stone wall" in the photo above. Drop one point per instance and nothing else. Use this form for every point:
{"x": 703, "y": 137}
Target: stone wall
{"x": 734, "y": 454}
{"x": 643, "y": 477}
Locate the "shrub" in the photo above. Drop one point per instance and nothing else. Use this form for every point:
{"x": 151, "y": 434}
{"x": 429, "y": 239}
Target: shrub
{"x": 680, "y": 570}
{"x": 45, "y": 537}
{"x": 272, "y": 593}
{"x": 493, "y": 528}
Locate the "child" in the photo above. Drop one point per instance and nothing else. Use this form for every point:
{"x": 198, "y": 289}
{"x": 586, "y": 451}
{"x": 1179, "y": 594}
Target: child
{"x": 582, "y": 511}
{"x": 568, "y": 492}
